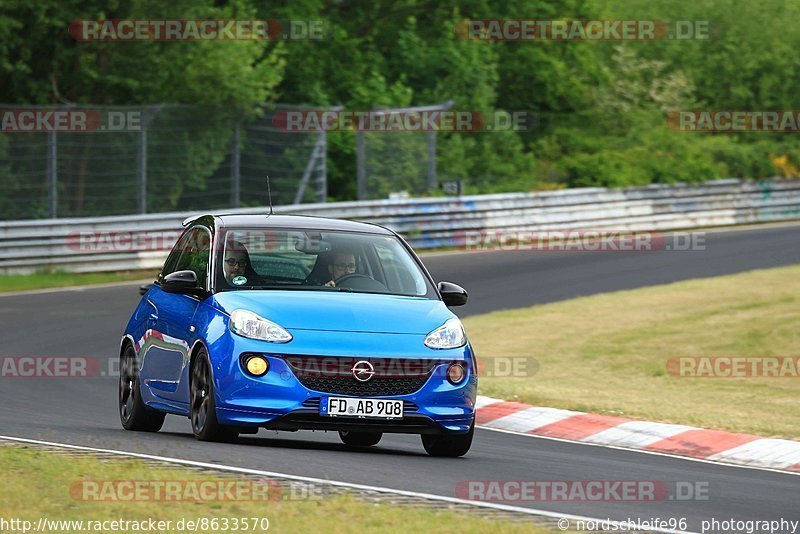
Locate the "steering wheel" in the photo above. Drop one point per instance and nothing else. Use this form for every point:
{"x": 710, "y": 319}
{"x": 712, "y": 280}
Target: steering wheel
{"x": 360, "y": 281}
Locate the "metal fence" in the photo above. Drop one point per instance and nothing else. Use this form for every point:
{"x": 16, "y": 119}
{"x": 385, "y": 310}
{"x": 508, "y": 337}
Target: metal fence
{"x": 153, "y": 159}
{"x": 142, "y": 242}
{"x": 397, "y": 162}
{"x": 162, "y": 158}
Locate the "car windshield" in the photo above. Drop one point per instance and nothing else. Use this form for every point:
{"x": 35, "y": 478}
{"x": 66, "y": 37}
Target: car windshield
{"x": 318, "y": 261}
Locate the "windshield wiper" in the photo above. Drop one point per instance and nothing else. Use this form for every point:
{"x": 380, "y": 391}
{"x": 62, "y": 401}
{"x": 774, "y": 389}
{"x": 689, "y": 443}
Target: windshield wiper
{"x": 309, "y": 288}
{"x": 326, "y": 288}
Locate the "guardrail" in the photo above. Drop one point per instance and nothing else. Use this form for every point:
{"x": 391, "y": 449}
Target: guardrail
{"x": 115, "y": 243}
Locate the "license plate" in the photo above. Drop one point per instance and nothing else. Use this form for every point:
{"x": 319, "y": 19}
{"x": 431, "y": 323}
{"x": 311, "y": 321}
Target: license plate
{"x": 353, "y": 407}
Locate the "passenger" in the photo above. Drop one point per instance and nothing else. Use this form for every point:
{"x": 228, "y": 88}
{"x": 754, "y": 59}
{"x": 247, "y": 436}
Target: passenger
{"x": 236, "y": 262}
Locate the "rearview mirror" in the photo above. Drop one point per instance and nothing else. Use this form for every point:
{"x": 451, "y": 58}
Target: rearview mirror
{"x": 452, "y": 294}
{"x": 311, "y": 243}
{"x": 144, "y": 289}
{"x": 180, "y": 282}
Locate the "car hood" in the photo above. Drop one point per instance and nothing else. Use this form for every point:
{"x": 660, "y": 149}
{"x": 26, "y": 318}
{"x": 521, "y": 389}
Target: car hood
{"x": 335, "y": 311}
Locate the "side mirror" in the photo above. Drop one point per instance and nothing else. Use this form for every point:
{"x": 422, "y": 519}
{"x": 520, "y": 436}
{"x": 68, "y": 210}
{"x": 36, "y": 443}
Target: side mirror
{"x": 452, "y": 295}
{"x": 144, "y": 289}
{"x": 180, "y": 282}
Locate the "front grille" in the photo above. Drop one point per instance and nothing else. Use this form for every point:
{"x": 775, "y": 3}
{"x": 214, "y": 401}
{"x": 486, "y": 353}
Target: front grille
{"x": 334, "y": 375}
{"x": 350, "y": 386}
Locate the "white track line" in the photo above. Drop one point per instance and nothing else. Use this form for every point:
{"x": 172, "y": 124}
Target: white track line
{"x": 362, "y": 487}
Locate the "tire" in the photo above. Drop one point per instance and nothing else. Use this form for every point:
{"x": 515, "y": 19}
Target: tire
{"x": 133, "y": 413}
{"x": 202, "y": 407}
{"x": 451, "y": 446}
{"x": 360, "y": 439}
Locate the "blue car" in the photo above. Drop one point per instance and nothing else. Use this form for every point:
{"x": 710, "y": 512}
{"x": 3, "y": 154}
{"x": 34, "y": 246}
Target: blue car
{"x": 297, "y": 323}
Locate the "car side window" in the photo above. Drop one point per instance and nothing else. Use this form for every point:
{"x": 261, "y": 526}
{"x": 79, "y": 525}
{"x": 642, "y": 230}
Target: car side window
{"x": 175, "y": 253}
{"x": 192, "y": 253}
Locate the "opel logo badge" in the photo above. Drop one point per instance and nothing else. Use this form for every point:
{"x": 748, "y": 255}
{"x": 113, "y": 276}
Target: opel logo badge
{"x": 363, "y": 371}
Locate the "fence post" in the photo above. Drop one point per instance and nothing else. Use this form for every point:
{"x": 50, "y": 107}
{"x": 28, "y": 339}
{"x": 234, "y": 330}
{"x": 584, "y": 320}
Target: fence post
{"x": 142, "y": 159}
{"x": 235, "y": 168}
{"x": 322, "y": 169}
{"x": 52, "y": 173}
{"x": 432, "y": 180}
{"x": 361, "y": 169}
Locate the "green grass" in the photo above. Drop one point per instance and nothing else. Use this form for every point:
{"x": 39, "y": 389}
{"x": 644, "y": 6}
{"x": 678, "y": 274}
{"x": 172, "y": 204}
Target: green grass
{"x": 25, "y": 282}
{"x": 38, "y": 484}
{"x": 608, "y": 353}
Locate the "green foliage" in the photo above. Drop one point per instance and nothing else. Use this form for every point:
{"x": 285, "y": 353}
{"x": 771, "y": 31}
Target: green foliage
{"x": 600, "y": 106}
{"x": 41, "y": 64}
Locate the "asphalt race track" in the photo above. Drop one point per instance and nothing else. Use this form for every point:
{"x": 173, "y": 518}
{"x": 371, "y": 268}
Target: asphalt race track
{"x": 500, "y": 279}
{"x": 84, "y": 411}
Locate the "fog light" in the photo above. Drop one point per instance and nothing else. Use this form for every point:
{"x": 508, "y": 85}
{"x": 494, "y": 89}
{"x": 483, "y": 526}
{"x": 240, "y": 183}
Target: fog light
{"x": 256, "y": 365}
{"x": 456, "y": 373}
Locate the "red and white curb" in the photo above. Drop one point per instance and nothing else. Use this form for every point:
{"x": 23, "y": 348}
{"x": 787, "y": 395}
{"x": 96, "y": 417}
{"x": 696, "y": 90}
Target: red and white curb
{"x": 678, "y": 440}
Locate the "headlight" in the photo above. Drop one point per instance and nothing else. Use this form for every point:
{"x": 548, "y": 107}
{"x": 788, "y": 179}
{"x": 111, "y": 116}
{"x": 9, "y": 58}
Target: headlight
{"x": 248, "y": 324}
{"x": 450, "y": 335}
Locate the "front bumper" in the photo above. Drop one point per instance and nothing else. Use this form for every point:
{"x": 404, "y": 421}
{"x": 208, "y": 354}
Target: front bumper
{"x": 410, "y": 424}
{"x": 279, "y": 401}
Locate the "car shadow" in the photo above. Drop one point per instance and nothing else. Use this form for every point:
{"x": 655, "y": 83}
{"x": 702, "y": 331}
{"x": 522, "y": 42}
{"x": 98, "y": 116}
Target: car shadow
{"x": 304, "y": 444}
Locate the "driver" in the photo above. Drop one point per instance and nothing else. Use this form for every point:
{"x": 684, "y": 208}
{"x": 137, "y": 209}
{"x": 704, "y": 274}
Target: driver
{"x": 343, "y": 263}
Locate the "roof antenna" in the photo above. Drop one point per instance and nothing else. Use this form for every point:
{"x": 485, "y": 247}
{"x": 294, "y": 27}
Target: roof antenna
{"x": 269, "y": 196}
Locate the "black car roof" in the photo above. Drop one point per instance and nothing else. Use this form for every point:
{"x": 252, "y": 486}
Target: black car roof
{"x": 304, "y": 222}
